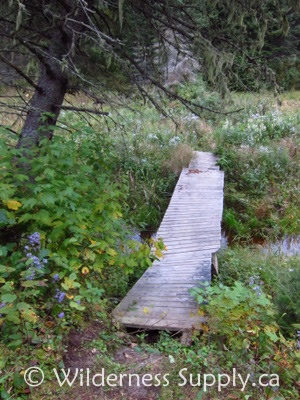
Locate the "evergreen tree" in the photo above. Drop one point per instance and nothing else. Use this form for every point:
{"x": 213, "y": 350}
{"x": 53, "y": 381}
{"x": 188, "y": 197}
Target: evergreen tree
{"x": 67, "y": 45}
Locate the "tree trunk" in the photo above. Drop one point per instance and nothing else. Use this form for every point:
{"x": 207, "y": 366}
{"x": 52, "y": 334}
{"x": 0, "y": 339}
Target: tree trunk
{"x": 52, "y": 84}
{"x": 44, "y": 108}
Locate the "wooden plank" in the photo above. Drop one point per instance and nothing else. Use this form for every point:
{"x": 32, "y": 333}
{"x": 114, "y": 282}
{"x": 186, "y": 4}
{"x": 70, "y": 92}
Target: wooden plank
{"x": 186, "y": 256}
{"x": 191, "y": 231}
{"x": 154, "y": 310}
{"x": 163, "y": 322}
{"x": 192, "y": 264}
{"x": 183, "y": 267}
{"x": 185, "y": 236}
{"x": 183, "y": 249}
{"x": 166, "y": 269}
{"x": 161, "y": 312}
{"x": 159, "y": 294}
{"x": 182, "y": 276}
{"x": 149, "y": 297}
{"x": 181, "y": 225}
{"x": 198, "y": 217}
{"x": 172, "y": 290}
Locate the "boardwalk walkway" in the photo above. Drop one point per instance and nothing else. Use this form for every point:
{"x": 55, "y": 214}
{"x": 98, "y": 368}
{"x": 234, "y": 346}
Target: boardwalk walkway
{"x": 191, "y": 231}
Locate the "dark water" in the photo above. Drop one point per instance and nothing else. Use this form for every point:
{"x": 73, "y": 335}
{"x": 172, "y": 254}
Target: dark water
{"x": 289, "y": 245}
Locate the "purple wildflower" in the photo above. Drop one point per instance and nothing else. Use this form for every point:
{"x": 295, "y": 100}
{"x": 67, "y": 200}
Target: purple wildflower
{"x": 59, "y": 296}
{"x": 36, "y": 262}
{"x": 256, "y": 284}
{"x": 55, "y": 277}
{"x": 32, "y": 276}
{"x": 61, "y": 314}
{"x": 32, "y": 250}
{"x": 35, "y": 240}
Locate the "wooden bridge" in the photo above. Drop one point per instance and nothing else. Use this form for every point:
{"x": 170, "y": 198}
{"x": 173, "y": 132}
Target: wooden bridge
{"x": 191, "y": 231}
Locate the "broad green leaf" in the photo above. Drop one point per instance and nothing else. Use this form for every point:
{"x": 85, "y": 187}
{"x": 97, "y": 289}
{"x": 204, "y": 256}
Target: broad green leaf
{"x": 79, "y": 307}
{"x": 18, "y": 380}
{"x": 44, "y": 217}
{"x": 23, "y": 306}
{"x": 200, "y": 299}
{"x": 4, "y": 394}
{"x": 13, "y": 317}
{"x": 89, "y": 254}
{"x": 98, "y": 266}
{"x": 29, "y": 203}
{"x": 70, "y": 284}
{"x": 111, "y": 252}
{"x": 22, "y": 177}
{"x": 6, "y": 191}
{"x": 47, "y": 199}
{"x": 5, "y": 217}
{"x": 73, "y": 276}
{"x": 3, "y": 251}
{"x": 72, "y": 240}
{"x": 49, "y": 172}
{"x": 26, "y": 217}
{"x": 4, "y": 268}
{"x": 8, "y": 298}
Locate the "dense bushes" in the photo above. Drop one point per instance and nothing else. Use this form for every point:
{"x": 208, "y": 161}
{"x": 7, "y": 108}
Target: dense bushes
{"x": 61, "y": 232}
{"x": 260, "y": 156}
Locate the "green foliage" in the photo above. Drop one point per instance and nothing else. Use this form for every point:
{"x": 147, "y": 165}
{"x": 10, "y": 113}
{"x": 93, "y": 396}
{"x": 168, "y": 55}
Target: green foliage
{"x": 260, "y": 129}
{"x": 259, "y": 156}
{"x": 287, "y": 69}
{"x": 62, "y": 231}
{"x": 277, "y": 274}
{"x": 143, "y": 143}
{"x": 242, "y": 318}
{"x": 198, "y": 91}
{"x": 243, "y": 315}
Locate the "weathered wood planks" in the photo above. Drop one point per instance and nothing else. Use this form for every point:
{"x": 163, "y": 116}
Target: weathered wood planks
{"x": 191, "y": 231}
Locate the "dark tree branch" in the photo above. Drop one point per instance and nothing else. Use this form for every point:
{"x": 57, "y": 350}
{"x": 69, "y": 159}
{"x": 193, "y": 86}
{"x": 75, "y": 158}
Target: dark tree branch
{"x": 83, "y": 109}
{"x": 20, "y": 72}
{"x": 7, "y": 128}
{"x": 174, "y": 95}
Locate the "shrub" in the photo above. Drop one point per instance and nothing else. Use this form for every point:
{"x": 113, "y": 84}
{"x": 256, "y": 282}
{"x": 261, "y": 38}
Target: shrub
{"x": 278, "y": 273}
{"x": 258, "y": 128}
{"x": 242, "y": 319}
{"x": 61, "y": 230}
